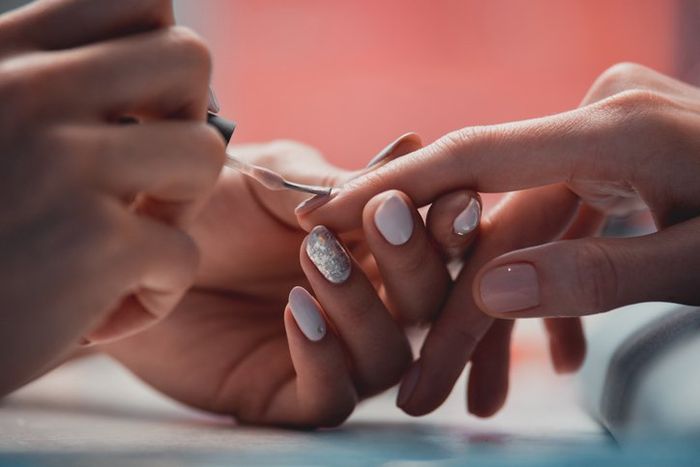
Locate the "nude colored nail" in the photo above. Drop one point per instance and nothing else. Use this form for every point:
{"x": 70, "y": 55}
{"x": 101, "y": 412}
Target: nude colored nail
{"x": 508, "y": 288}
{"x": 469, "y": 219}
{"x": 315, "y": 202}
{"x": 388, "y": 150}
{"x": 408, "y": 385}
{"x": 213, "y": 105}
{"x": 306, "y": 314}
{"x": 328, "y": 255}
{"x": 394, "y": 220}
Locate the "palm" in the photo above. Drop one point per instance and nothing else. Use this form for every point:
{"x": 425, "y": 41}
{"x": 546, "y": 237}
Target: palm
{"x": 224, "y": 349}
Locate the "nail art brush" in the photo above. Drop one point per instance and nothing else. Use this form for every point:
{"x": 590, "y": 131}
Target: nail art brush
{"x": 266, "y": 177}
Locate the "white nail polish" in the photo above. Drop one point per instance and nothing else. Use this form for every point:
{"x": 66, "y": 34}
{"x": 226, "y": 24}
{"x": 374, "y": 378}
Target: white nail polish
{"x": 329, "y": 256}
{"x": 469, "y": 219}
{"x": 394, "y": 221}
{"x": 306, "y": 314}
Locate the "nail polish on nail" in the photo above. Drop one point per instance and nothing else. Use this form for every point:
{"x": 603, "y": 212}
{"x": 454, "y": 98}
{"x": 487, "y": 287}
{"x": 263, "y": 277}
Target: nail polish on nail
{"x": 388, "y": 150}
{"x": 408, "y": 385}
{"x": 394, "y": 221}
{"x": 469, "y": 219}
{"x": 306, "y": 314}
{"x": 328, "y": 255}
{"x": 508, "y": 288}
{"x": 314, "y": 202}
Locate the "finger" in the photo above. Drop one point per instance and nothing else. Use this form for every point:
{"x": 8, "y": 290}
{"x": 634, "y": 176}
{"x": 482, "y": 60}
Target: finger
{"x": 526, "y": 218}
{"x": 162, "y": 262}
{"x": 488, "y": 377}
{"x": 376, "y": 345}
{"x": 581, "y": 277}
{"x": 453, "y": 221}
{"x": 321, "y": 392}
{"x": 415, "y": 278}
{"x": 304, "y": 164}
{"x": 172, "y": 164}
{"x": 509, "y": 157}
{"x": 44, "y": 24}
{"x": 567, "y": 343}
{"x": 120, "y": 77}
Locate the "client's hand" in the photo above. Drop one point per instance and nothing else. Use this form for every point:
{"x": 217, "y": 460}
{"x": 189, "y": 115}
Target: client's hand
{"x": 633, "y": 143}
{"x": 232, "y": 347}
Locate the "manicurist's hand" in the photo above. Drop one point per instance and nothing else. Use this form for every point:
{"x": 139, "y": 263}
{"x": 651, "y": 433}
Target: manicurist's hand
{"x": 240, "y": 343}
{"x": 633, "y": 143}
{"x": 91, "y": 239}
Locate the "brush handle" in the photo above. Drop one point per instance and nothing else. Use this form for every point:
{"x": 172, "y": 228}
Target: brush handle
{"x": 225, "y": 127}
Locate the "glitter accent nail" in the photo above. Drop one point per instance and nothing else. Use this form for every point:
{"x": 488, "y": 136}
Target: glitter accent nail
{"x": 329, "y": 256}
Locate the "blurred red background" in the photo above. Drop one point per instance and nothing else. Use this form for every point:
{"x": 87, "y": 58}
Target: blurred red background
{"x": 348, "y": 77}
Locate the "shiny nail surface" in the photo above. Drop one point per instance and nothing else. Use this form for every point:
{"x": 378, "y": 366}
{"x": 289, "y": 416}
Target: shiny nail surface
{"x": 508, "y": 288}
{"x": 468, "y": 220}
{"x": 389, "y": 149}
{"x": 314, "y": 202}
{"x": 306, "y": 314}
{"x": 328, "y": 255}
{"x": 394, "y": 221}
{"x": 408, "y": 385}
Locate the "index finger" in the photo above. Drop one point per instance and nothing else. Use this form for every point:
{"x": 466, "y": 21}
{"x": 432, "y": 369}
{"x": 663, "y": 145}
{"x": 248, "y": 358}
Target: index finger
{"x": 500, "y": 158}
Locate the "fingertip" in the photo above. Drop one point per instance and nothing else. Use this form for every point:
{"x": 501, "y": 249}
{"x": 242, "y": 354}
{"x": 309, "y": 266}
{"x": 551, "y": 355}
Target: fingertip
{"x": 453, "y": 221}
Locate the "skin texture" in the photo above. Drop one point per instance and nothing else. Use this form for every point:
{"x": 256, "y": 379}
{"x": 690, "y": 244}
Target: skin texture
{"x": 633, "y": 143}
{"x": 91, "y": 233}
{"x": 232, "y": 345}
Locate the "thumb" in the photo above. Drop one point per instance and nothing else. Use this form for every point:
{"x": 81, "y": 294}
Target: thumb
{"x": 587, "y": 276}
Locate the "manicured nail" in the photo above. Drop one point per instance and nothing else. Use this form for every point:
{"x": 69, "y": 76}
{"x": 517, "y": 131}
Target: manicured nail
{"x": 388, "y": 151}
{"x": 315, "y": 202}
{"x": 408, "y": 385}
{"x": 306, "y": 314}
{"x": 513, "y": 287}
{"x": 468, "y": 220}
{"x": 329, "y": 256}
{"x": 394, "y": 221}
{"x": 213, "y": 105}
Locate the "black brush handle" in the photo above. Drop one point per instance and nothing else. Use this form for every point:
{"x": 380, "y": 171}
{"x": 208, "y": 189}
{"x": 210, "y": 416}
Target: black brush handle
{"x": 225, "y": 127}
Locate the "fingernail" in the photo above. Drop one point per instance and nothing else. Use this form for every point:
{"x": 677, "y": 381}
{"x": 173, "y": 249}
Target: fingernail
{"x": 306, "y": 314}
{"x": 213, "y": 105}
{"x": 328, "y": 255}
{"x": 394, "y": 221}
{"x": 388, "y": 150}
{"x": 408, "y": 385}
{"x": 513, "y": 287}
{"x": 467, "y": 220}
{"x": 315, "y": 202}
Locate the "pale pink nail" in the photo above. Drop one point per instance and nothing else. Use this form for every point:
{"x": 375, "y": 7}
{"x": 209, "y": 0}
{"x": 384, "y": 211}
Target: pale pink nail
{"x": 468, "y": 220}
{"x": 213, "y": 105}
{"x": 394, "y": 221}
{"x": 408, "y": 385}
{"x": 306, "y": 314}
{"x": 389, "y": 149}
{"x": 512, "y": 287}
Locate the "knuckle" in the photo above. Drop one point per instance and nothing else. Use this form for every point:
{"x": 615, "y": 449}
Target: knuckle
{"x": 597, "y": 278}
{"x": 192, "y": 47}
{"x": 618, "y": 78}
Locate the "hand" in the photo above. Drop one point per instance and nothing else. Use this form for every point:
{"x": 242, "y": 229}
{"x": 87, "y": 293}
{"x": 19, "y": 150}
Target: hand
{"x": 632, "y": 144}
{"x": 232, "y": 348}
{"x": 91, "y": 240}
